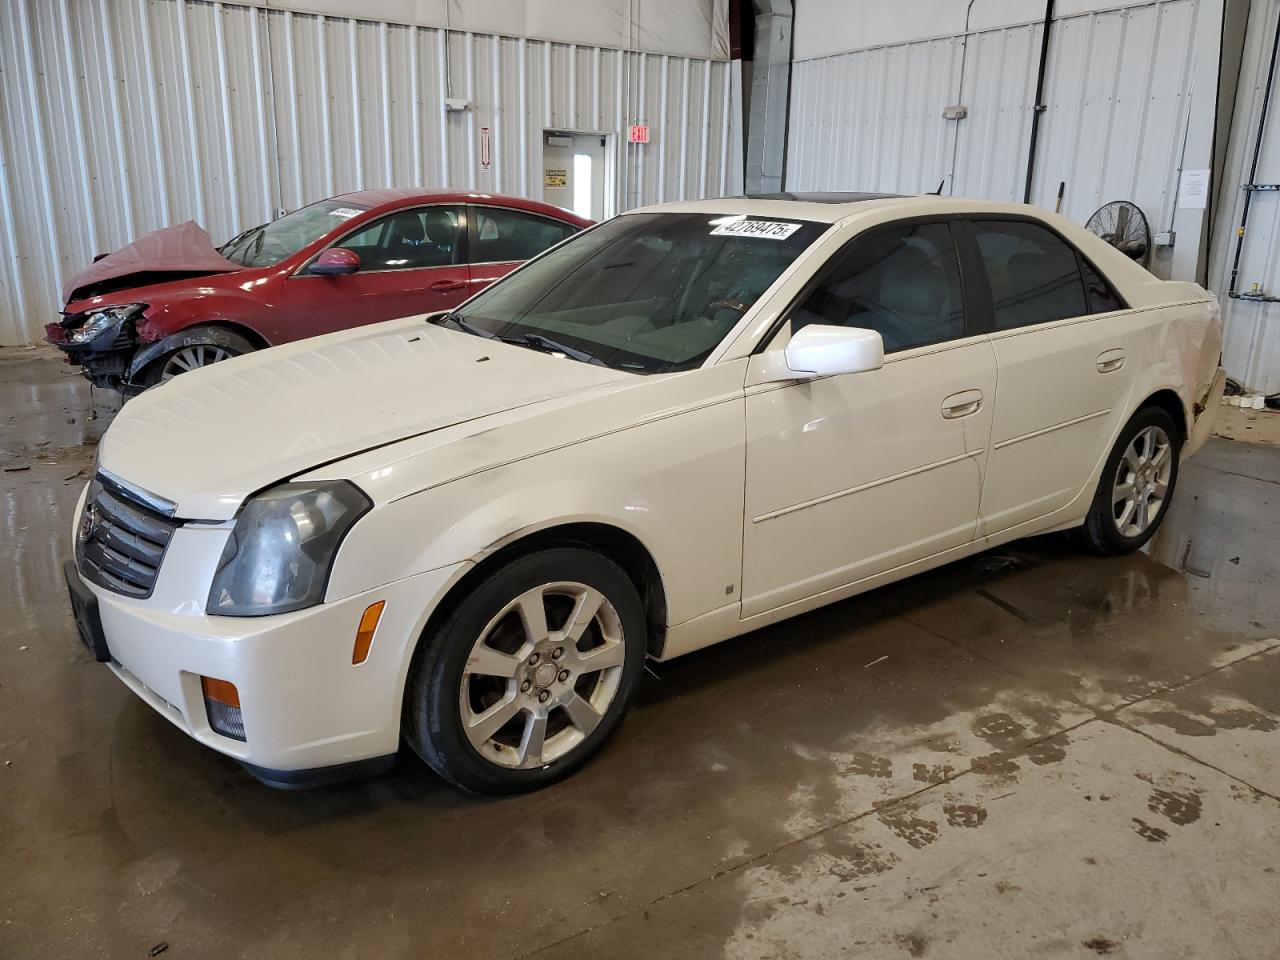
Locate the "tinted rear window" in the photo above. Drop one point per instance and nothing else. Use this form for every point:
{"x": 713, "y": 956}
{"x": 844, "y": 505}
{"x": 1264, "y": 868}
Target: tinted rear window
{"x": 1034, "y": 274}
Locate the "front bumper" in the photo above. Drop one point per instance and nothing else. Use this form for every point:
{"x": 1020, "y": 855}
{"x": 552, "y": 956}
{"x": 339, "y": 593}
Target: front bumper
{"x": 305, "y": 705}
{"x": 104, "y": 362}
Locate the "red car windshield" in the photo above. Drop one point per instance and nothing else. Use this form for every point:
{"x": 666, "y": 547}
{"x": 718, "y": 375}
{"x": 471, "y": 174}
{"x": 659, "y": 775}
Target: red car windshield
{"x": 272, "y": 242}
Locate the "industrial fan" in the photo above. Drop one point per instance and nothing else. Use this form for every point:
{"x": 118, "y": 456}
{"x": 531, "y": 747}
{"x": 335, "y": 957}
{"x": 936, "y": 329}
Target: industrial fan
{"x": 1124, "y": 226}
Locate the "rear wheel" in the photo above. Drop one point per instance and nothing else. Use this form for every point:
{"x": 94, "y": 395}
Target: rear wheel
{"x": 1137, "y": 484}
{"x": 525, "y": 680}
{"x": 202, "y": 346}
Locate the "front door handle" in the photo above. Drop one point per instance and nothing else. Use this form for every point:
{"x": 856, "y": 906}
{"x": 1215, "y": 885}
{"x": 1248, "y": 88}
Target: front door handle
{"x": 962, "y": 404}
{"x": 1111, "y": 360}
{"x": 446, "y": 286}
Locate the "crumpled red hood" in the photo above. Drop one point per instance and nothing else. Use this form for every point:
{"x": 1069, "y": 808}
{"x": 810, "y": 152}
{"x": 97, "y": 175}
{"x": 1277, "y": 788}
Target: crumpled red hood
{"x": 184, "y": 248}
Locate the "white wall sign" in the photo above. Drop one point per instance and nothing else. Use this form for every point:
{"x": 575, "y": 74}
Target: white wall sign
{"x": 1193, "y": 192}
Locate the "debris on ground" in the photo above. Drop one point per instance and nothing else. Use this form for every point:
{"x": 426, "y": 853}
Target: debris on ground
{"x": 158, "y": 949}
{"x": 875, "y": 661}
{"x": 19, "y": 469}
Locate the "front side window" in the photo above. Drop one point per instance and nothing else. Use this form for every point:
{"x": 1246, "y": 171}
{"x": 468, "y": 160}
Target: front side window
{"x": 651, "y": 293}
{"x": 505, "y": 236}
{"x": 409, "y": 240}
{"x": 1034, "y": 274}
{"x": 272, "y": 242}
{"x": 903, "y": 282}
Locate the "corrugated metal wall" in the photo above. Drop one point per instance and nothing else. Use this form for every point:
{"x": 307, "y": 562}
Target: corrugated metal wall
{"x": 1116, "y": 89}
{"x": 118, "y": 117}
{"x": 1252, "y": 344}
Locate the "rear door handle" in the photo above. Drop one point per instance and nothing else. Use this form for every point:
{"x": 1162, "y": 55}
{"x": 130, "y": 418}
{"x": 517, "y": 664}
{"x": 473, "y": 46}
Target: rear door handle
{"x": 447, "y": 286}
{"x": 962, "y": 404}
{"x": 1110, "y": 360}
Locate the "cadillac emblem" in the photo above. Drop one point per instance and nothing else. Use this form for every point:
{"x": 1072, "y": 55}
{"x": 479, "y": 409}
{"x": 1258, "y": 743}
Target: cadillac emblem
{"x": 88, "y": 523}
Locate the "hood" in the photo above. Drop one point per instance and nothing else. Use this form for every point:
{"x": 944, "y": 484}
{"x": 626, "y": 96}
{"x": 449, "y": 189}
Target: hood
{"x": 208, "y": 439}
{"x": 185, "y": 249}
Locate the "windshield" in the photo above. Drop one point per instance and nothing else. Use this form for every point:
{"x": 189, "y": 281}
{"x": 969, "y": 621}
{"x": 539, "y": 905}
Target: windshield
{"x": 649, "y": 292}
{"x": 272, "y": 242}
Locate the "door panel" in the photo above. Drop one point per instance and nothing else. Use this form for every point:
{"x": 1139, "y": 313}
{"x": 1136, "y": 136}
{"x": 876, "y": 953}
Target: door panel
{"x": 1058, "y": 404}
{"x": 854, "y": 475}
{"x": 407, "y": 267}
{"x": 1063, "y": 376}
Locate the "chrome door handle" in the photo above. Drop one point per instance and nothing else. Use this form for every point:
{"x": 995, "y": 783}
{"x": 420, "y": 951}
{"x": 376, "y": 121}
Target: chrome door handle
{"x": 962, "y": 404}
{"x": 1110, "y": 361}
{"x": 447, "y": 286}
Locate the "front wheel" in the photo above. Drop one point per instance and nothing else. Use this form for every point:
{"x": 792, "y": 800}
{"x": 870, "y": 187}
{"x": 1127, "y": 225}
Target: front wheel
{"x": 199, "y": 347}
{"x": 529, "y": 675}
{"x": 1137, "y": 484}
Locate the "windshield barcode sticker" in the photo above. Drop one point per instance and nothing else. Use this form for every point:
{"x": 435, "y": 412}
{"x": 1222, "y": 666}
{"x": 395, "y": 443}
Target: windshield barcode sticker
{"x": 765, "y": 229}
{"x": 346, "y": 213}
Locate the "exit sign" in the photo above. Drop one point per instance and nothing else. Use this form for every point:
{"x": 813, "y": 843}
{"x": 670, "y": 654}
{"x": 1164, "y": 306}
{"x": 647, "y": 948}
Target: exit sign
{"x": 639, "y": 133}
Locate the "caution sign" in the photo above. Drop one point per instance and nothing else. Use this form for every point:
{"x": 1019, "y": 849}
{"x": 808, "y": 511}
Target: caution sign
{"x": 555, "y": 178}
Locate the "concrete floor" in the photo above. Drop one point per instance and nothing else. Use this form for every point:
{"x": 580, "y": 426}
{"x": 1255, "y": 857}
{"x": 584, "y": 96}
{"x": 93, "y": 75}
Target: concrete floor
{"x": 1032, "y": 753}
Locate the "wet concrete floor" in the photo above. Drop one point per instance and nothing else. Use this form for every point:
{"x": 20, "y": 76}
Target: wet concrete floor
{"x": 1030, "y": 753}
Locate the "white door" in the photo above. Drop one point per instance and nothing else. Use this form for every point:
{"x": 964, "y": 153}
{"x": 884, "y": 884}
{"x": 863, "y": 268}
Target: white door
{"x": 1065, "y": 360}
{"x": 573, "y": 172}
{"x": 854, "y": 475}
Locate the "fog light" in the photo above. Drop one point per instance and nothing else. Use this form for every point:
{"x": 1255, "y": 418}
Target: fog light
{"x": 222, "y": 707}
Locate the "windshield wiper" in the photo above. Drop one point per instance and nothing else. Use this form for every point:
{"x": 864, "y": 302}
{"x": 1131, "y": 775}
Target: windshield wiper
{"x": 236, "y": 245}
{"x": 457, "y": 321}
{"x": 537, "y": 341}
{"x": 532, "y": 341}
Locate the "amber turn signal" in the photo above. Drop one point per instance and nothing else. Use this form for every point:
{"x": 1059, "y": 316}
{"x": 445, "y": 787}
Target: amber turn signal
{"x": 220, "y": 691}
{"x": 222, "y": 707}
{"x": 364, "y": 635}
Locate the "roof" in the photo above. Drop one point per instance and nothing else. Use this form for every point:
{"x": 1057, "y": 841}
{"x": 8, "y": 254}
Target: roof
{"x": 828, "y": 197}
{"x": 838, "y": 207}
{"x": 406, "y": 196}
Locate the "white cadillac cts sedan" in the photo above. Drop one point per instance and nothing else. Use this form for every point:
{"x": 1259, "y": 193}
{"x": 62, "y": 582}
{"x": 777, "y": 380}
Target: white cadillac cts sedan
{"x": 468, "y": 531}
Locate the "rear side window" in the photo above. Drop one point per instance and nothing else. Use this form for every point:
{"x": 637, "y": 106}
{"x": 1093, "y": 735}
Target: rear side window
{"x": 903, "y": 282}
{"x": 1102, "y": 296}
{"x": 507, "y": 235}
{"x": 1034, "y": 274}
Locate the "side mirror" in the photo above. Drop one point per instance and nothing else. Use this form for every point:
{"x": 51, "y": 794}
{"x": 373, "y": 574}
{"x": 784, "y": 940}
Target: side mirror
{"x": 819, "y": 350}
{"x": 335, "y": 262}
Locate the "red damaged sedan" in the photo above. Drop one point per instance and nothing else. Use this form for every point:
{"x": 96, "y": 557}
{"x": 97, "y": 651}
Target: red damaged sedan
{"x": 171, "y": 301}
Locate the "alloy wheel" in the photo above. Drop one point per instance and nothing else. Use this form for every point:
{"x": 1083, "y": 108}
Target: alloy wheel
{"x": 193, "y": 357}
{"x": 542, "y": 675}
{"x": 1142, "y": 482}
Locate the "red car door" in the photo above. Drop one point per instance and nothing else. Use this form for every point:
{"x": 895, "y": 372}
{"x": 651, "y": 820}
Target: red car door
{"x": 411, "y": 261}
{"x": 500, "y": 239}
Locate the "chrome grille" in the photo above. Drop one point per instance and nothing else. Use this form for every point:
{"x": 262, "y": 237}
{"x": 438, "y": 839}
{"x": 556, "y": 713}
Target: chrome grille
{"x": 121, "y": 540}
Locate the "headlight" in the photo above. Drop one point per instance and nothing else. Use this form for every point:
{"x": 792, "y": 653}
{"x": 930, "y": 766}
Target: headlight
{"x": 282, "y": 547}
{"x": 100, "y": 321}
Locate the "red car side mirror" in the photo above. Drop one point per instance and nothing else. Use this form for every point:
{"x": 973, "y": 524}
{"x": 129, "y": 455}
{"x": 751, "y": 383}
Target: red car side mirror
{"x": 335, "y": 262}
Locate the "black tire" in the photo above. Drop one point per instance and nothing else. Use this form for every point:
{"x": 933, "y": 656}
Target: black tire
{"x": 432, "y": 720}
{"x": 212, "y": 337}
{"x": 1101, "y": 532}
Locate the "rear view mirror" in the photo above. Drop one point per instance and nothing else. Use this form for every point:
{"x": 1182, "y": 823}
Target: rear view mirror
{"x": 335, "y": 262}
{"x": 819, "y": 350}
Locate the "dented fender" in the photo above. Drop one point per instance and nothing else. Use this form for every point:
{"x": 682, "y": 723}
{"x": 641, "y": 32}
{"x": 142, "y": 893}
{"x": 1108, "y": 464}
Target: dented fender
{"x": 193, "y": 336}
